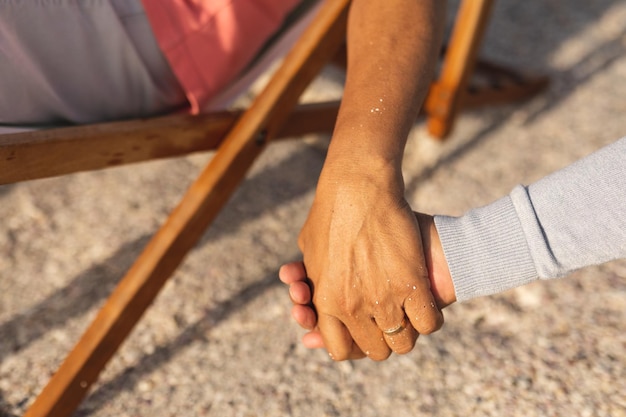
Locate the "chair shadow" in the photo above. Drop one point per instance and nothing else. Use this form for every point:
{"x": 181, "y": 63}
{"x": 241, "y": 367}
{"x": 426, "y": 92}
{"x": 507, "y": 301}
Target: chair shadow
{"x": 94, "y": 284}
{"x": 128, "y": 379}
{"x": 583, "y": 71}
{"x": 580, "y": 73}
{"x": 4, "y": 190}
{"x": 4, "y": 407}
{"x": 413, "y": 183}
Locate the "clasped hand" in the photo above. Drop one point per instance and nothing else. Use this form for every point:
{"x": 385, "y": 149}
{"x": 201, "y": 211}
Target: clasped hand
{"x": 367, "y": 276}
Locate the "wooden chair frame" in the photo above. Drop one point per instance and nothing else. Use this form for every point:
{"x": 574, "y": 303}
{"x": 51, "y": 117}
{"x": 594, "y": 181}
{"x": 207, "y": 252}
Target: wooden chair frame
{"x": 237, "y": 137}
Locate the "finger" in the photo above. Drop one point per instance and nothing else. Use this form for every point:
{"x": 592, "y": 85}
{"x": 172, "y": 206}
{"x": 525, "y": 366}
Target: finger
{"x": 313, "y": 340}
{"x": 422, "y": 311}
{"x": 397, "y": 331}
{"x": 304, "y": 316}
{"x": 300, "y": 293}
{"x": 403, "y": 340}
{"x": 292, "y": 272}
{"x": 336, "y": 337}
{"x": 368, "y": 337}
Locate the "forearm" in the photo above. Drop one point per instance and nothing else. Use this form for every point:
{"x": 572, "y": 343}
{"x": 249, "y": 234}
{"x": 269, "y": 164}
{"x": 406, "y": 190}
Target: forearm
{"x": 392, "y": 52}
{"x": 361, "y": 244}
{"x": 573, "y": 218}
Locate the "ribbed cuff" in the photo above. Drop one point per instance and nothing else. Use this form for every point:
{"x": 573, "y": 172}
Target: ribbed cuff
{"x": 486, "y": 250}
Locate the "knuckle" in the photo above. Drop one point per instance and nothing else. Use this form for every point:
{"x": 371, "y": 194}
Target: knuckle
{"x": 343, "y": 307}
{"x": 432, "y": 323}
{"x": 348, "y": 306}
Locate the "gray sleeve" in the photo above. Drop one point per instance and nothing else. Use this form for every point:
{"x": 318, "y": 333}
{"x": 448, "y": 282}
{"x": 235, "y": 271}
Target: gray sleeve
{"x": 573, "y": 218}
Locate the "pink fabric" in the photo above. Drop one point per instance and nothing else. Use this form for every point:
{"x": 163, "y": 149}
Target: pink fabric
{"x": 209, "y": 42}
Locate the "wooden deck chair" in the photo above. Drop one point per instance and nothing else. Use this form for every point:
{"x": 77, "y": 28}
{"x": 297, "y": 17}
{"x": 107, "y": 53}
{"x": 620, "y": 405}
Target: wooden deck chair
{"x": 237, "y": 137}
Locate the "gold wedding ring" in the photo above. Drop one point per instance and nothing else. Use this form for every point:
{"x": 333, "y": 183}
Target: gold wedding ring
{"x": 396, "y": 329}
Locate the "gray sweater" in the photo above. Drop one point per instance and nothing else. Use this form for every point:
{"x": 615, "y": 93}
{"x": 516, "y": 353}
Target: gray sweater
{"x": 573, "y": 218}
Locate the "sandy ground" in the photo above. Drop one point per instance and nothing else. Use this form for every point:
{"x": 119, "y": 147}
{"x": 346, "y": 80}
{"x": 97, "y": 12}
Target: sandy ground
{"x": 219, "y": 341}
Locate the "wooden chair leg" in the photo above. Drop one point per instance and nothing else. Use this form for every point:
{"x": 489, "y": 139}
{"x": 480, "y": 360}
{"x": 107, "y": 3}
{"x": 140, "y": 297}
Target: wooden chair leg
{"x": 197, "y": 209}
{"x": 442, "y": 102}
{"x": 456, "y": 88}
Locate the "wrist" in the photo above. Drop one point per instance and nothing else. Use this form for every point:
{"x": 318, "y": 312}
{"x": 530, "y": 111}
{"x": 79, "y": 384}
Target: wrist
{"x": 369, "y": 143}
{"x": 441, "y": 283}
{"x": 365, "y": 176}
